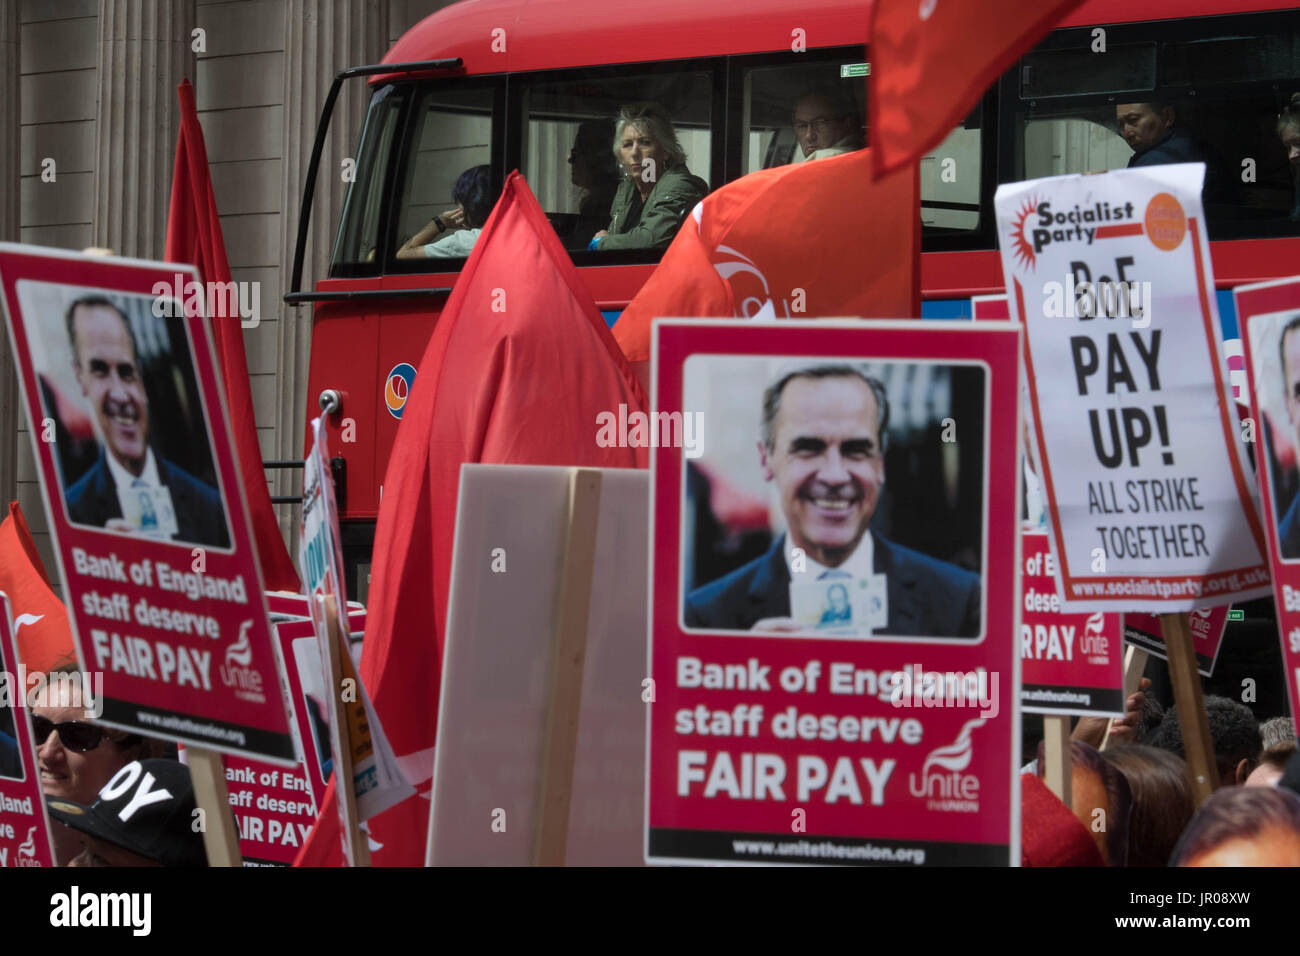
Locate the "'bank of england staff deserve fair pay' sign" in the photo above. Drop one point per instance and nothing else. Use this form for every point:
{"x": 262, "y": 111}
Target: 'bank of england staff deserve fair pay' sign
{"x": 128, "y": 422}
{"x": 1151, "y": 500}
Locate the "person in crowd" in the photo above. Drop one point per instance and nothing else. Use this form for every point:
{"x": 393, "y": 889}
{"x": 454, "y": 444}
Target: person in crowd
{"x": 823, "y": 432}
{"x": 1288, "y": 131}
{"x": 143, "y": 816}
{"x": 76, "y": 756}
{"x": 1162, "y": 800}
{"x": 594, "y": 171}
{"x": 106, "y": 362}
{"x": 1277, "y": 730}
{"x": 452, "y": 234}
{"x": 1234, "y": 732}
{"x": 1050, "y": 834}
{"x": 1153, "y": 133}
{"x": 1272, "y": 764}
{"x": 1242, "y": 826}
{"x": 1100, "y": 798}
{"x": 1142, "y": 713}
{"x": 657, "y": 191}
{"x": 825, "y": 124}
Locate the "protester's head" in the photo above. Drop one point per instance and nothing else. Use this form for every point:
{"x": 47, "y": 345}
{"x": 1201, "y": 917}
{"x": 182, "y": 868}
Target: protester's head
{"x": 589, "y": 159}
{"x": 1163, "y": 802}
{"x": 644, "y": 138}
{"x": 1144, "y": 124}
{"x": 473, "y": 193}
{"x": 1100, "y": 799}
{"x": 822, "y": 118}
{"x": 1272, "y": 764}
{"x": 823, "y": 447}
{"x": 1288, "y": 130}
{"x": 1277, "y": 730}
{"x": 1234, "y": 732}
{"x": 143, "y": 816}
{"x": 76, "y": 756}
{"x": 1243, "y": 826}
{"x": 107, "y": 366}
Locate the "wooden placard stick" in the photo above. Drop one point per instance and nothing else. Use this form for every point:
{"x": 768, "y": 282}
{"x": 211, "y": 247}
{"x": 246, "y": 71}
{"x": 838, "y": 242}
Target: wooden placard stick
{"x": 340, "y": 733}
{"x": 208, "y": 774}
{"x": 568, "y": 659}
{"x": 1197, "y": 745}
{"x": 1135, "y": 665}
{"x": 1058, "y": 765}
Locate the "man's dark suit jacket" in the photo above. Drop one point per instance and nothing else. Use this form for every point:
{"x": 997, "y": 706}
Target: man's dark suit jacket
{"x": 1288, "y": 531}
{"x": 92, "y": 500}
{"x": 927, "y": 597}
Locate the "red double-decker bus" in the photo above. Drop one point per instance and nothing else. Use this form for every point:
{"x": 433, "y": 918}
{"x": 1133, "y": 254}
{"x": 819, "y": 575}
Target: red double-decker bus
{"x": 506, "y": 84}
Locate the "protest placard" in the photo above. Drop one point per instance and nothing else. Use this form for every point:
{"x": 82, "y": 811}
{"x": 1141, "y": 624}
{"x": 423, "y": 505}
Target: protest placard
{"x": 24, "y": 822}
{"x": 1069, "y": 663}
{"x": 884, "y": 729}
{"x": 1151, "y": 501}
{"x": 127, "y": 417}
{"x": 1206, "y": 627}
{"x": 1270, "y": 316}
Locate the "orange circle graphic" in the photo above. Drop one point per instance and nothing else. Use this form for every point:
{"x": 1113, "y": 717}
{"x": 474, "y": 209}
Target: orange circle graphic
{"x": 1166, "y": 223}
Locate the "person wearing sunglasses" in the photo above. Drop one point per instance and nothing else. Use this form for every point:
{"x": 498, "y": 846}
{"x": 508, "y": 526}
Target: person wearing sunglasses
{"x": 75, "y": 757}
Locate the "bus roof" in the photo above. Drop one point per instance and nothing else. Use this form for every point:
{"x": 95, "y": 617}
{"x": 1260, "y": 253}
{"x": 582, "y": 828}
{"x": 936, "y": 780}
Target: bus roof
{"x": 558, "y": 34}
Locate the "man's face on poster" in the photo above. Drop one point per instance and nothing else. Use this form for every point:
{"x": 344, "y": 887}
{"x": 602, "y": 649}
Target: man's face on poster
{"x": 109, "y": 374}
{"x": 827, "y": 462}
{"x": 1291, "y": 372}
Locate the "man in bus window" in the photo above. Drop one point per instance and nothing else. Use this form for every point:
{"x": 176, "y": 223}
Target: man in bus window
{"x": 823, "y": 435}
{"x": 657, "y": 190}
{"x": 1152, "y": 132}
{"x": 825, "y": 124}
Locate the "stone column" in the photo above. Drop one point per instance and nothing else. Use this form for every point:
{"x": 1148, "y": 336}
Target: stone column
{"x": 10, "y": 191}
{"x": 144, "y": 53}
{"x": 321, "y": 38}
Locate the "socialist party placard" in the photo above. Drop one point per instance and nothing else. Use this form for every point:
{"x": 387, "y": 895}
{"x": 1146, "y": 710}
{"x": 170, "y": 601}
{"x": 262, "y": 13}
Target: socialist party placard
{"x": 127, "y": 417}
{"x": 833, "y": 654}
{"x": 1270, "y": 317}
{"x": 24, "y": 823}
{"x": 1069, "y": 663}
{"x": 1151, "y": 500}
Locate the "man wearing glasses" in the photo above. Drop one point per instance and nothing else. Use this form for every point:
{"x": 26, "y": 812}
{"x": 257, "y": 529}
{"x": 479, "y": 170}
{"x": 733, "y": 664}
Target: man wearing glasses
{"x": 825, "y": 124}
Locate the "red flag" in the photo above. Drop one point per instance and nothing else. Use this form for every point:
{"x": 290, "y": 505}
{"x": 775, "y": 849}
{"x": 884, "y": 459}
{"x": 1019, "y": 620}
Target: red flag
{"x": 194, "y": 236}
{"x": 519, "y": 366}
{"x": 39, "y": 617}
{"x": 932, "y": 61}
{"x": 806, "y": 240}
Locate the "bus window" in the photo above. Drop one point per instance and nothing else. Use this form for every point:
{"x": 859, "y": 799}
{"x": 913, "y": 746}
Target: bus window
{"x": 1208, "y": 90}
{"x": 804, "y": 110}
{"x": 449, "y": 145}
{"x": 358, "y": 233}
{"x": 570, "y": 161}
{"x": 950, "y": 178}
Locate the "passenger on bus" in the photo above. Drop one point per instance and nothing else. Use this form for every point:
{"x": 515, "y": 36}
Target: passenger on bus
{"x": 825, "y": 124}
{"x": 453, "y": 233}
{"x": 595, "y": 172}
{"x": 1288, "y": 130}
{"x": 1152, "y": 132}
{"x": 657, "y": 190}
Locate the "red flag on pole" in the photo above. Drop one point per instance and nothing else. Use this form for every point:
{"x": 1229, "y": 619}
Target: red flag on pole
{"x": 194, "y": 236}
{"x": 932, "y": 60}
{"x": 39, "y": 617}
{"x": 519, "y": 366}
{"x": 814, "y": 239}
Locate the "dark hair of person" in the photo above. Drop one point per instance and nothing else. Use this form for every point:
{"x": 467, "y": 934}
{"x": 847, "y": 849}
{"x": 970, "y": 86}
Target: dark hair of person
{"x": 473, "y": 191}
{"x": 1118, "y": 796}
{"x": 1237, "y": 813}
{"x": 1290, "y": 115}
{"x": 1162, "y": 800}
{"x": 1233, "y": 730}
{"x": 772, "y": 395}
{"x": 1292, "y": 324}
{"x": 91, "y": 301}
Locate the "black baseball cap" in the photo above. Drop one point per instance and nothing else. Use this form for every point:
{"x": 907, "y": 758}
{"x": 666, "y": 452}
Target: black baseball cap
{"x": 147, "y": 808}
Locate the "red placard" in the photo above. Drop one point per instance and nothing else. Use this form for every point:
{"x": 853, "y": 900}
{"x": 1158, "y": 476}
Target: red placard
{"x": 1267, "y": 311}
{"x": 1205, "y": 625}
{"x": 24, "y": 824}
{"x": 1070, "y": 663}
{"x": 816, "y": 745}
{"x": 144, "y": 501}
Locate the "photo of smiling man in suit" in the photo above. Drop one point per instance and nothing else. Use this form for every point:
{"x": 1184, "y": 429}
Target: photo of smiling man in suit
{"x": 824, "y": 430}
